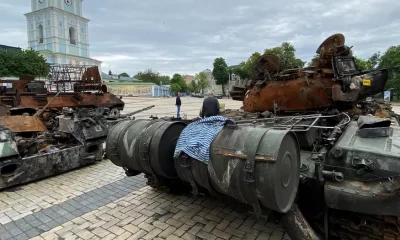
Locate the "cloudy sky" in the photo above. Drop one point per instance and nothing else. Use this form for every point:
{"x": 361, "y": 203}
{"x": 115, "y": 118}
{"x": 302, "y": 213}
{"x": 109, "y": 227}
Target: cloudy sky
{"x": 185, "y": 36}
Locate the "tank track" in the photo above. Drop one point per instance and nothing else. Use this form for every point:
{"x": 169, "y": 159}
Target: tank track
{"x": 353, "y": 226}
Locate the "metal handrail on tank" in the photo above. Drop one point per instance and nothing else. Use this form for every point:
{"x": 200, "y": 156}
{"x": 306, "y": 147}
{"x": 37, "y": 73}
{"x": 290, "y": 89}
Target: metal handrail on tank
{"x": 294, "y": 126}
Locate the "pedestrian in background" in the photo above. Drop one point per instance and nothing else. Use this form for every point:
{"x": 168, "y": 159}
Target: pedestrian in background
{"x": 210, "y": 106}
{"x": 178, "y": 105}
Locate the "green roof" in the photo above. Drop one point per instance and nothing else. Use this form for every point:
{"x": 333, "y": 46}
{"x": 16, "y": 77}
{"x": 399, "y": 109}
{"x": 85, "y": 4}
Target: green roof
{"x": 10, "y": 48}
{"x": 130, "y": 83}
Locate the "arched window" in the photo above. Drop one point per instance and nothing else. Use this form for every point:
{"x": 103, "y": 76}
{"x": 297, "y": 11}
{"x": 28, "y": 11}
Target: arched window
{"x": 72, "y": 35}
{"x": 40, "y": 33}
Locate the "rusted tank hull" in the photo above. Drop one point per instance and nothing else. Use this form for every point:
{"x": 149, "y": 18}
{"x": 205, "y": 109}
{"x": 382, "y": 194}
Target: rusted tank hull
{"x": 21, "y": 171}
{"x": 72, "y": 100}
{"x": 19, "y": 124}
{"x": 291, "y": 95}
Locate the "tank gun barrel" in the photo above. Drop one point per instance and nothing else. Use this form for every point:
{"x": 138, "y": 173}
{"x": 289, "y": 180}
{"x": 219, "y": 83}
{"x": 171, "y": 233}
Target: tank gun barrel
{"x": 137, "y": 111}
{"x": 393, "y": 68}
{"x": 380, "y": 69}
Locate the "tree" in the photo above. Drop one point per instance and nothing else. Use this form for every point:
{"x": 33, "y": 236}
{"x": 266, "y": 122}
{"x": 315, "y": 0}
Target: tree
{"x": 245, "y": 68}
{"x": 178, "y": 79}
{"x": 220, "y": 72}
{"x": 149, "y": 76}
{"x": 391, "y": 58}
{"x": 193, "y": 87}
{"x": 367, "y": 64}
{"x": 165, "y": 80}
{"x": 190, "y": 88}
{"x": 201, "y": 81}
{"x": 287, "y": 59}
{"x": 124, "y": 74}
{"x": 375, "y": 60}
{"x": 361, "y": 64}
{"x": 24, "y": 62}
{"x": 175, "y": 88}
{"x": 239, "y": 71}
{"x": 287, "y": 56}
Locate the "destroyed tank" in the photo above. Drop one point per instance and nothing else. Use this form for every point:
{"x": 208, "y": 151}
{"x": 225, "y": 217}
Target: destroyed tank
{"x": 306, "y": 145}
{"x": 72, "y": 86}
{"x": 47, "y": 144}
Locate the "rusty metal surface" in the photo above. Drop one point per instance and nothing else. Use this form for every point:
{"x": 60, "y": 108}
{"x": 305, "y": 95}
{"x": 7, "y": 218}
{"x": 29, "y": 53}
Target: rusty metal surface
{"x": 20, "y": 124}
{"x": 67, "y": 77}
{"x": 266, "y": 63}
{"x": 299, "y": 94}
{"x": 332, "y": 80}
{"x": 74, "y": 83}
{"x": 328, "y": 45}
{"x": 346, "y": 225}
{"x": 72, "y": 100}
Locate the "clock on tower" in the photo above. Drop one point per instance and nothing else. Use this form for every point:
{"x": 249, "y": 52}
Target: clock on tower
{"x": 68, "y": 2}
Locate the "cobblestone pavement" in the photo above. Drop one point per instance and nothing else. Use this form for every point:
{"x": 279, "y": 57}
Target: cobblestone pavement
{"x": 100, "y": 202}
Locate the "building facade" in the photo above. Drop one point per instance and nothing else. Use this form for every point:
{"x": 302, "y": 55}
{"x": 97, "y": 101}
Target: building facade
{"x": 9, "y": 48}
{"x": 212, "y": 85}
{"x": 59, "y": 32}
{"x": 188, "y": 79}
{"x": 132, "y": 89}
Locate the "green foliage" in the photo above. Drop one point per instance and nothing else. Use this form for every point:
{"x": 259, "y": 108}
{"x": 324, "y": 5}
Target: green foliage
{"x": 149, "y": 76}
{"x": 245, "y": 68}
{"x": 193, "y": 86}
{"x": 124, "y": 74}
{"x": 361, "y": 64}
{"x": 287, "y": 56}
{"x": 179, "y": 80}
{"x": 175, "y": 88}
{"x": 220, "y": 72}
{"x": 201, "y": 81}
{"x": 311, "y": 63}
{"x": 239, "y": 71}
{"x": 165, "y": 80}
{"x": 375, "y": 60}
{"x": 287, "y": 59}
{"x": 391, "y": 58}
{"x": 367, "y": 64}
{"x": 25, "y": 62}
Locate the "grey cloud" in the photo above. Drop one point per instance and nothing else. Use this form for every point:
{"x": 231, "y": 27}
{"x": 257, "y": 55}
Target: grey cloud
{"x": 186, "y": 35}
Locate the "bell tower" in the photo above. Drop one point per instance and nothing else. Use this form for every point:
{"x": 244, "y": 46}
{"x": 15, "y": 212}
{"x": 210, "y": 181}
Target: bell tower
{"x": 59, "y": 31}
